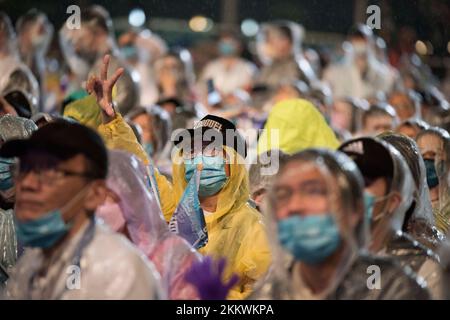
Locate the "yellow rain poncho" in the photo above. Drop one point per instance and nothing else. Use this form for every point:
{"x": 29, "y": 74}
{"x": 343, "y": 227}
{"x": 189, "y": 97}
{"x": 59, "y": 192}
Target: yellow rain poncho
{"x": 294, "y": 125}
{"x": 235, "y": 230}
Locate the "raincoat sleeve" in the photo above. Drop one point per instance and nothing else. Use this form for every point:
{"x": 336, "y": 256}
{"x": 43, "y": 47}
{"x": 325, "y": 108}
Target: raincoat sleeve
{"x": 118, "y": 135}
{"x": 168, "y": 202}
{"x": 252, "y": 262}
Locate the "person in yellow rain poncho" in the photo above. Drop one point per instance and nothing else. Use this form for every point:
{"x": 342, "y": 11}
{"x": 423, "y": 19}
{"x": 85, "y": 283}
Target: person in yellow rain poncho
{"x": 294, "y": 125}
{"x": 235, "y": 230}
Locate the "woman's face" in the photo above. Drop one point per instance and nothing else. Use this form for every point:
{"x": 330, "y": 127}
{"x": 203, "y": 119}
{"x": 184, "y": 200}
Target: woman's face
{"x": 431, "y": 146}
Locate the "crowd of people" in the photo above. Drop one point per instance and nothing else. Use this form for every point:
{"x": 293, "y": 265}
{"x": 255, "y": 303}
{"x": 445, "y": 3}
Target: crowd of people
{"x": 125, "y": 174}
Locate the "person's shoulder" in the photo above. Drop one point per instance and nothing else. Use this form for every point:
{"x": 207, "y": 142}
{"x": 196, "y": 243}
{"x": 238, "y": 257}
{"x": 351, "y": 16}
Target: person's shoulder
{"x": 113, "y": 263}
{"x": 393, "y": 275}
{"x": 107, "y": 246}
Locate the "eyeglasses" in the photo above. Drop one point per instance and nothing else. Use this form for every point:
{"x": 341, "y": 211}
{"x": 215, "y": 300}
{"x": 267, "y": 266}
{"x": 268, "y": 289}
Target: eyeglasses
{"x": 46, "y": 176}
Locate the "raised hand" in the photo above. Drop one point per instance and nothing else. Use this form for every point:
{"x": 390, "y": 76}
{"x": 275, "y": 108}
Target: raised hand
{"x": 102, "y": 89}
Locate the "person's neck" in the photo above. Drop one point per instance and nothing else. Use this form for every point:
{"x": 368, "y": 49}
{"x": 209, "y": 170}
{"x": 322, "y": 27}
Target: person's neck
{"x": 78, "y": 222}
{"x": 209, "y": 203}
{"x": 318, "y": 277}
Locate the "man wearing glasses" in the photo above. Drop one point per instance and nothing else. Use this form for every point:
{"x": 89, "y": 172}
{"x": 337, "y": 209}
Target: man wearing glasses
{"x": 59, "y": 176}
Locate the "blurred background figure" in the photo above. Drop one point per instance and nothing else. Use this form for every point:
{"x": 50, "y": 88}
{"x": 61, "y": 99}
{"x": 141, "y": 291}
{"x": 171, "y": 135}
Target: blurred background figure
{"x": 229, "y": 72}
{"x": 279, "y": 47}
{"x": 411, "y": 128}
{"x": 347, "y": 114}
{"x": 378, "y": 118}
{"x": 406, "y": 105}
{"x": 156, "y": 127}
{"x": 141, "y": 49}
{"x": 34, "y": 33}
{"x": 434, "y": 145}
{"x": 19, "y": 90}
{"x": 364, "y": 75}
{"x": 84, "y": 48}
{"x": 175, "y": 82}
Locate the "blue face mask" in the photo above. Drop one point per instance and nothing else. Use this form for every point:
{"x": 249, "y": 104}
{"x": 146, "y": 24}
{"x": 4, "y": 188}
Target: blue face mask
{"x": 6, "y": 180}
{"x": 369, "y": 202}
{"x": 148, "y": 147}
{"x": 432, "y": 176}
{"x": 213, "y": 176}
{"x": 43, "y": 232}
{"x": 309, "y": 239}
{"x": 226, "y": 48}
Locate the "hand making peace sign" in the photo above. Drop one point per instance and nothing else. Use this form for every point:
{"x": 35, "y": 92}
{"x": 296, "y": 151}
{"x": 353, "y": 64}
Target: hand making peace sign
{"x": 102, "y": 89}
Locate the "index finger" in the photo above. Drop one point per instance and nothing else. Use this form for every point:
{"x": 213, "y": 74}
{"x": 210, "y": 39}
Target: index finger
{"x": 104, "y": 69}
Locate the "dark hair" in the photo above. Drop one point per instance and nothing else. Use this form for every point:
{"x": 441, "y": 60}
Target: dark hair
{"x": 31, "y": 16}
{"x": 97, "y": 16}
{"x": 380, "y": 109}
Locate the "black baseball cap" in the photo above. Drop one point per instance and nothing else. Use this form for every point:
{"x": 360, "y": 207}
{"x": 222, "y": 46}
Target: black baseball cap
{"x": 64, "y": 140}
{"x": 219, "y": 124}
{"x": 372, "y": 156}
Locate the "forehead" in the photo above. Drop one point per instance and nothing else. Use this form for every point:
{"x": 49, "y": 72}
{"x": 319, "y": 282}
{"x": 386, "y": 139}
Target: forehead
{"x": 298, "y": 172}
{"x": 429, "y": 138}
{"x": 40, "y": 159}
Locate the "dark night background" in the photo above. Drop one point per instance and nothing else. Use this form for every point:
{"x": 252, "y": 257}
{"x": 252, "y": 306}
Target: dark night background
{"x": 428, "y": 18}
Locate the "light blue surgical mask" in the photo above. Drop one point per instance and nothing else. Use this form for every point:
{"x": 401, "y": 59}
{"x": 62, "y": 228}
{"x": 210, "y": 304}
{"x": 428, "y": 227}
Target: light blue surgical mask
{"x": 148, "y": 147}
{"x": 310, "y": 239}
{"x": 6, "y": 179}
{"x": 432, "y": 175}
{"x": 369, "y": 203}
{"x": 43, "y": 232}
{"x": 226, "y": 48}
{"x": 213, "y": 176}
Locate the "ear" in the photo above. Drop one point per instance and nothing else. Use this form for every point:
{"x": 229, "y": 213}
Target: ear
{"x": 96, "y": 195}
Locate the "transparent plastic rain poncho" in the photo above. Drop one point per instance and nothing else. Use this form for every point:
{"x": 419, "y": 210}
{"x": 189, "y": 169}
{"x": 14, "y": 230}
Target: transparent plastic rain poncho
{"x": 146, "y": 227}
{"x": 344, "y": 190}
{"x": 17, "y": 84}
{"x": 377, "y": 158}
{"x": 19, "y": 87}
{"x": 441, "y": 151}
{"x": 126, "y": 91}
{"x": 11, "y": 127}
{"x": 8, "y": 41}
{"x": 288, "y": 70}
{"x": 235, "y": 229}
{"x": 375, "y": 80}
{"x": 420, "y": 219}
{"x": 161, "y": 131}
